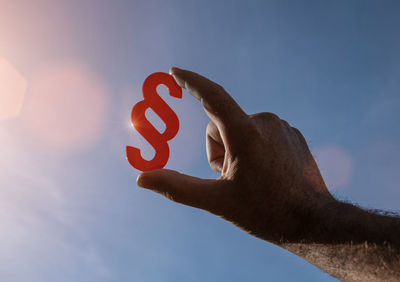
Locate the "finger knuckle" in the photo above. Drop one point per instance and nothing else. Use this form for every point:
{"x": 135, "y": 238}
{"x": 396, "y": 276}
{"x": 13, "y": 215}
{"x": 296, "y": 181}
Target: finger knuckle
{"x": 285, "y": 123}
{"x": 210, "y": 125}
{"x": 299, "y": 135}
{"x": 298, "y": 132}
{"x": 219, "y": 89}
{"x": 266, "y": 116}
{"x": 169, "y": 196}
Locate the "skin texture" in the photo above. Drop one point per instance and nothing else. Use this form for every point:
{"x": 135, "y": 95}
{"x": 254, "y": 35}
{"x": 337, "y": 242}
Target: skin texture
{"x": 271, "y": 187}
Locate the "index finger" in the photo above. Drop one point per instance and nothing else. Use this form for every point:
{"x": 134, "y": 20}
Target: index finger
{"x": 219, "y": 105}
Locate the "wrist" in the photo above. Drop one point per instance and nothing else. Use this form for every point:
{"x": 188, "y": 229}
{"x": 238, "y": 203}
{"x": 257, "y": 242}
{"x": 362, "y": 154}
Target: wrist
{"x": 311, "y": 219}
{"x": 346, "y": 223}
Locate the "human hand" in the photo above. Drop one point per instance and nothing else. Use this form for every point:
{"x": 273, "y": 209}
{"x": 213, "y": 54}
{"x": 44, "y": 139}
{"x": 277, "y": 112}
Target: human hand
{"x": 270, "y": 185}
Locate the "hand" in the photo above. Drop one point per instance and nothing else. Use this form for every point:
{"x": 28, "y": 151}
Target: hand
{"x": 270, "y": 185}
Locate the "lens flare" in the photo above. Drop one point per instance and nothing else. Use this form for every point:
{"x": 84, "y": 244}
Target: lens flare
{"x": 66, "y": 106}
{"x": 335, "y": 165}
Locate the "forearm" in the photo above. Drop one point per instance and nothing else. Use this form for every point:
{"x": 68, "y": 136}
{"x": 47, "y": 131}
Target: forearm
{"x": 352, "y": 244}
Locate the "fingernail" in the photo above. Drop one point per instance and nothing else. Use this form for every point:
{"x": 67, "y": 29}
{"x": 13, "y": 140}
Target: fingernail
{"x": 174, "y": 69}
{"x": 140, "y": 180}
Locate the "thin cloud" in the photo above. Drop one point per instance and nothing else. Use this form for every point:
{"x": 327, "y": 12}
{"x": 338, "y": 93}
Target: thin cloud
{"x": 41, "y": 232}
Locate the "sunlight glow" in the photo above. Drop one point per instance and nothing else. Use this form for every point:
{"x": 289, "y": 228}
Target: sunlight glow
{"x": 12, "y": 90}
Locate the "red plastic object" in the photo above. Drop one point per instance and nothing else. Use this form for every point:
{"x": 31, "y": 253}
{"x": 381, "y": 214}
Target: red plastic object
{"x": 156, "y": 139}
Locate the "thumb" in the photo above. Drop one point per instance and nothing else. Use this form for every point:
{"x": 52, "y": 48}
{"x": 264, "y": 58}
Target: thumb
{"x": 181, "y": 188}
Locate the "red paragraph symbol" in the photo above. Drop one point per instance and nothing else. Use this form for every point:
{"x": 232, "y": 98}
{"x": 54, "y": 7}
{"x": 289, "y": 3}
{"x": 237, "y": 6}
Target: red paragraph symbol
{"x": 156, "y": 139}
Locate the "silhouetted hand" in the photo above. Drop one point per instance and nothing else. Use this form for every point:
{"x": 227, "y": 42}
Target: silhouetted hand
{"x": 271, "y": 187}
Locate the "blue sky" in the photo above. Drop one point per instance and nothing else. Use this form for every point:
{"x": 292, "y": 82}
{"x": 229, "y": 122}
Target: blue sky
{"x": 70, "y": 209}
